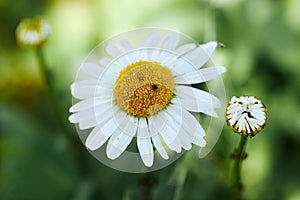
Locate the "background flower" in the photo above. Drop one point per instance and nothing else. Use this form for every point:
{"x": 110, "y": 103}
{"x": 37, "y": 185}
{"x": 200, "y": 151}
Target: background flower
{"x": 32, "y": 32}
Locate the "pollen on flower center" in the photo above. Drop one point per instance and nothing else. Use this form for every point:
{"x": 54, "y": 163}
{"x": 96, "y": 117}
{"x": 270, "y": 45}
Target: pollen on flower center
{"x": 144, "y": 88}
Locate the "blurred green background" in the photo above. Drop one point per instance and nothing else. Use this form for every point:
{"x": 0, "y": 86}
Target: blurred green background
{"x": 262, "y": 55}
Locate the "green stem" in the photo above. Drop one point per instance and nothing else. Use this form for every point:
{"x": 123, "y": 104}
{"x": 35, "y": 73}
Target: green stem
{"x": 48, "y": 80}
{"x": 69, "y": 132}
{"x": 239, "y": 156}
{"x": 146, "y": 183}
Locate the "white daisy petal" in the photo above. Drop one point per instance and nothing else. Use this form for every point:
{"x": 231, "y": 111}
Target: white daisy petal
{"x": 95, "y": 119}
{"x": 183, "y": 49}
{"x": 87, "y": 113}
{"x": 112, "y": 50}
{"x": 110, "y": 126}
{"x": 146, "y": 151}
{"x": 199, "y": 56}
{"x": 146, "y": 54}
{"x": 95, "y": 139}
{"x": 182, "y": 67}
{"x": 156, "y": 123}
{"x": 174, "y": 112}
{"x": 132, "y": 56}
{"x": 193, "y": 128}
{"x": 89, "y": 103}
{"x": 83, "y": 89}
{"x": 121, "y": 138}
{"x": 116, "y": 53}
{"x": 128, "y": 125}
{"x": 169, "y": 43}
{"x": 144, "y": 143}
{"x": 172, "y": 41}
{"x": 104, "y": 61}
{"x": 92, "y": 69}
{"x": 92, "y": 117}
{"x": 159, "y": 147}
{"x": 200, "y": 76}
{"x": 169, "y": 133}
{"x": 196, "y": 100}
{"x": 209, "y": 48}
{"x": 152, "y": 42}
{"x": 143, "y": 130}
{"x": 169, "y": 60}
{"x": 117, "y": 144}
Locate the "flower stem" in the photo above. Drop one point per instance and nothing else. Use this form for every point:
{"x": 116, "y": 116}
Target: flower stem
{"x": 239, "y": 155}
{"x": 146, "y": 183}
{"x": 68, "y": 131}
{"x": 48, "y": 79}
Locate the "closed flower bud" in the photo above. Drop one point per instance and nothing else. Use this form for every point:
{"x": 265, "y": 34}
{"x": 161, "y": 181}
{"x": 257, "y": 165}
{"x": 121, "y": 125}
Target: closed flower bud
{"x": 32, "y": 33}
{"x": 246, "y": 115}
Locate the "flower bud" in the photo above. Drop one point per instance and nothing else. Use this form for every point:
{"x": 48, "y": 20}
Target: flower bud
{"x": 32, "y": 33}
{"x": 246, "y": 115}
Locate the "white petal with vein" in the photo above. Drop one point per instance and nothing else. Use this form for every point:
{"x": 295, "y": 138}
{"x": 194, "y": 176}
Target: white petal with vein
{"x": 96, "y": 139}
{"x": 159, "y": 147}
{"x": 144, "y": 143}
{"x": 200, "y": 76}
{"x": 117, "y": 144}
{"x": 196, "y": 100}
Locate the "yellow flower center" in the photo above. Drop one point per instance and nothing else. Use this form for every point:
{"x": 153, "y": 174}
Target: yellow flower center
{"x": 144, "y": 88}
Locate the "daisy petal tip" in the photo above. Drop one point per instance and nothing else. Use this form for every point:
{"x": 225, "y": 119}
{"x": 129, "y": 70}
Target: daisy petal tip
{"x": 147, "y": 159}
{"x": 189, "y": 147}
{"x": 72, "y": 119}
{"x": 71, "y": 109}
{"x": 177, "y": 30}
{"x": 200, "y": 142}
{"x": 91, "y": 148}
{"x": 163, "y": 154}
{"x": 72, "y": 88}
{"x": 213, "y": 43}
{"x": 112, "y": 152}
{"x": 178, "y": 150}
{"x": 204, "y": 143}
{"x": 81, "y": 127}
{"x": 112, "y": 157}
{"x": 221, "y": 69}
{"x": 91, "y": 145}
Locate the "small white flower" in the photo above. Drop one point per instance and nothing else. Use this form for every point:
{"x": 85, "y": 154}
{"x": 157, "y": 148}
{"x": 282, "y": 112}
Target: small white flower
{"x": 143, "y": 90}
{"x": 246, "y": 115}
{"x": 32, "y": 32}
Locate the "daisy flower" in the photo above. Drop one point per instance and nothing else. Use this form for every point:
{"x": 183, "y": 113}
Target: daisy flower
{"x": 246, "y": 115}
{"x": 32, "y": 32}
{"x": 141, "y": 88}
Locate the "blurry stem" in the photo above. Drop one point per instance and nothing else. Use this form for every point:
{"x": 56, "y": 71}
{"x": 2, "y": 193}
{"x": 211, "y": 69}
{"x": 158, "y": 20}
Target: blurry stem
{"x": 180, "y": 173}
{"x": 47, "y": 77}
{"x": 179, "y": 188}
{"x": 146, "y": 183}
{"x": 239, "y": 155}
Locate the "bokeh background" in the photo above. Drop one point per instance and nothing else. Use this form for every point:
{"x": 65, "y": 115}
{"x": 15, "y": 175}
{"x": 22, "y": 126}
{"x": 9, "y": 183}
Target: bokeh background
{"x": 39, "y": 160}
